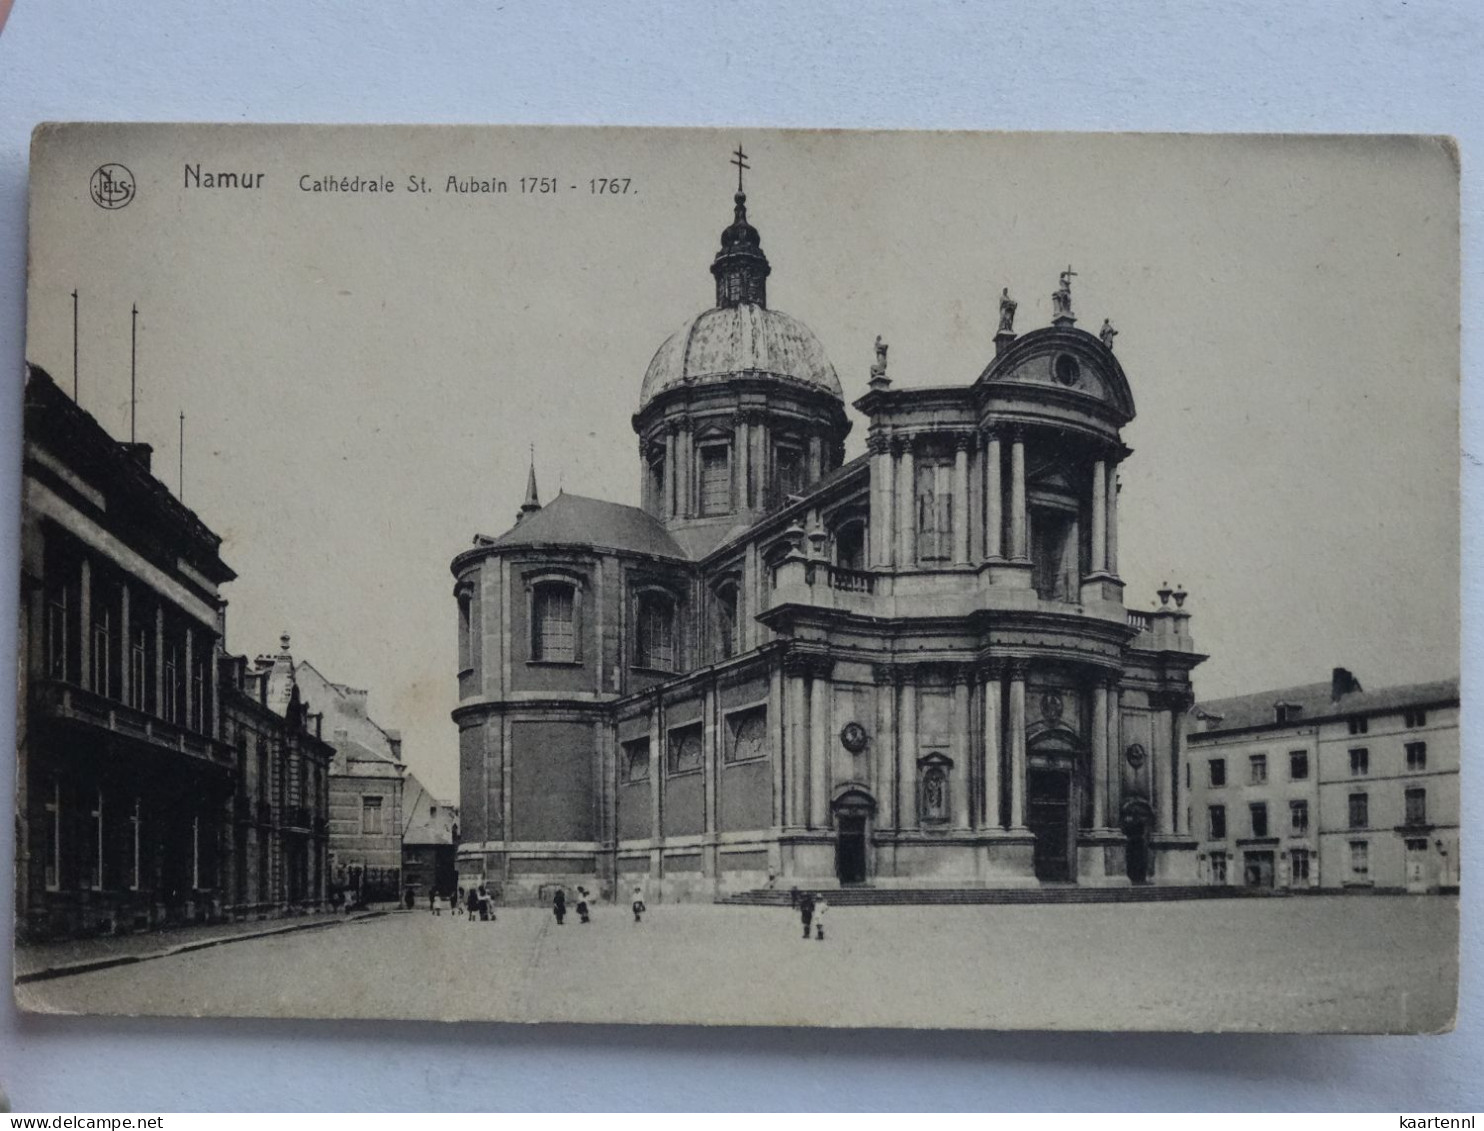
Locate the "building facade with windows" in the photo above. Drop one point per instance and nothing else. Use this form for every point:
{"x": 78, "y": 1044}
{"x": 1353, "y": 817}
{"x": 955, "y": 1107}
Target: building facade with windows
{"x": 911, "y": 669}
{"x": 124, "y": 783}
{"x": 280, "y": 809}
{"x": 1328, "y": 785}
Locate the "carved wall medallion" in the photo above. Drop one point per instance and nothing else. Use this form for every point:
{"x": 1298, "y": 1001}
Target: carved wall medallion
{"x": 1051, "y": 707}
{"x": 1135, "y": 755}
{"x": 853, "y": 737}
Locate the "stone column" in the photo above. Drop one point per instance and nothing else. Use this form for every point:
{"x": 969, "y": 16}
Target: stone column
{"x": 962, "y": 791}
{"x": 994, "y": 501}
{"x": 671, "y": 456}
{"x": 880, "y": 521}
{"x": 1164, "y": 808}
{"x": 188, "y": 679}
{"x": 819, "y": 749}
{"x": 1017, "y": 744}
{"x": 797, "y": 753}
{"x": 1099, "y": 517}
{"x": 656, "y": 772}
{"x": 1180, "y": 795}
{"x": 1111, "y": 509}
{"x": 906, "y": 507}
{"x": 686, "y": 472}
{"x": 741, "y": 444}
{"x": 961, "y": 500}
{"x": 777, "y": 741}
{"x": 991, "y": 771}
{"x": 1099, "y": 731}
{"x": 816, "y": 459}
{"x": 762, "y": 466}
{"x": 883, "y": 748}
{"x": 213, "y": 688}
{"x": 1018, "y": 530}
{"x": 85, "y": 625}
{"x": 907, "y": 758}
{"x": 158, "y": 706}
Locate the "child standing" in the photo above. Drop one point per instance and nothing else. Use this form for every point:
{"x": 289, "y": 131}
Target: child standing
{"x": 820, "y": 908}
{"x": 638, "y": 904}
{"x": 582, "y": 898}
{"x": 559, "y": 906}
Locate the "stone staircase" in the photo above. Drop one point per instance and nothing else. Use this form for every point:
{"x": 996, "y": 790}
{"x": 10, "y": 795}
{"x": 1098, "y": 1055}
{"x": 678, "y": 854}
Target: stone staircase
{"x": 866, "y": 896}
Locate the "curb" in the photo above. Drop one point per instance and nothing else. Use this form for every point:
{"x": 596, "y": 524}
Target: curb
{"x": 89, "y": 965}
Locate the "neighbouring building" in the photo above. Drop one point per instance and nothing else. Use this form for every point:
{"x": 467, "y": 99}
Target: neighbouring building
{"x": 280, "y": 809}
{"x": 125, "y": 786}
{"x": 366, "y": 779}
{"x": 430, "y": 835}
{"x": 1328, "y": 785}
{"x": 911, "y": 669}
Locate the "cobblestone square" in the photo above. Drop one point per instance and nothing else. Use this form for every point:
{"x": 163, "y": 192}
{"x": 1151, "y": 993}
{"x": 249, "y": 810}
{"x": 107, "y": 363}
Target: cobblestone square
{"x": 1320, "y": 963}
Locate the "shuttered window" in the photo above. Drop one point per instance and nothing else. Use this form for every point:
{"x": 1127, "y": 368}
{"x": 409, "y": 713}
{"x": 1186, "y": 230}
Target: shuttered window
{"x": 656, "y": 636}
{"x": 555, "y": 635}
{"x": 716, "y": 480}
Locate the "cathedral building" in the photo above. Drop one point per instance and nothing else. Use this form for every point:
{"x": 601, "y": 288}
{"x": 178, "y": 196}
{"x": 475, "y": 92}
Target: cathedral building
{"x": 912, "y": 669}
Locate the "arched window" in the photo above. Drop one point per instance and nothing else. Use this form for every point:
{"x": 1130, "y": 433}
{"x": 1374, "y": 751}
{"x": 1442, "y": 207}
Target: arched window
{"x": 554, "y": 622}
{"x": 657, "y": 485}
{"x": 788, "y": 472}
{"x": 655, "y": 635}
{"x": 465, "y": 660}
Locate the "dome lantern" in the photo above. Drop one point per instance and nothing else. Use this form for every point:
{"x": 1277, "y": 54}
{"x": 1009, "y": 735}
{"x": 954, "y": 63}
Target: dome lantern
{"x": 740, "y": 268}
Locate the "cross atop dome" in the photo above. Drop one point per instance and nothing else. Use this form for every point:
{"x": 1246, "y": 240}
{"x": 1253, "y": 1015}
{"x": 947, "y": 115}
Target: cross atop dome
{"x": 740, "y": 267}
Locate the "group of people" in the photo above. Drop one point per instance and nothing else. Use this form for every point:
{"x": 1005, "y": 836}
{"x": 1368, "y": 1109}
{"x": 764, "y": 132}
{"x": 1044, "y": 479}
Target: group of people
{"x": 480, "y": 904}
{"x": 811, "y": 909}
{"x": 585, "y": 901}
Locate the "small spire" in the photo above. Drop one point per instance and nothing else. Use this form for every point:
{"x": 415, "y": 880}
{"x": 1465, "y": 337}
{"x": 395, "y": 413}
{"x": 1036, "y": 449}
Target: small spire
{"x": 283, "y": 643}
{"x": 533, "y": 500}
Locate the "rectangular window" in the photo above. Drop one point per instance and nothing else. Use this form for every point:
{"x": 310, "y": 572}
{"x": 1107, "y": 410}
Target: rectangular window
{"x": 1360, "y": 810}
{"x": 1298, "y": 765}
{"x": 1416, "y": 755}
{"x": 1416, "y": 810}
{"x": 371, "y": 817}
{"x": 1259, "y": 812}
{"x": 170, "y": 689}
{"x": 788, "y": 471}
{"x": 555, "y": 635}
{"x": 747, "y": 735}
{"x": 656, "y": 643}
{"x": 1358, "y": 725}
{"x": 636, "y": 760}
{"x": 1298, "y": 817}
{"x": 1414, "y": 718}
{"x": 1217, "y": 772}
{"x": 1258, "y": 767}
{"x": 1360, "y": 762}
{"x": 95, "y": 880}
{"x": 1299, "y": 866}
{"x": 54, "y": 837}
{"x": 1360, "y": 858}
{"x": 1287, "y": 712}
{"x": 1218, "y": 867}
{"x": 198, "y": 696}
{"x": 138, "y": 668}
{"x": 716, "y": 480}
{"x": 1216, "y": 822}
{"x": 685, "y": 755}
{"x": 100, "y": 657}
{"x": 136, "y": 821}
{"x": 56, "y": 632}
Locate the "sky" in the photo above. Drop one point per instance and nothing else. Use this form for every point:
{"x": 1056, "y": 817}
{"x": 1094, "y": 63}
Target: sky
{"x": 363, "y": 375}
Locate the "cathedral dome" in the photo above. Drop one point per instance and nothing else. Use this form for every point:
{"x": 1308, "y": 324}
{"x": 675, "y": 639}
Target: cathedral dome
{"x": 742, "y": 340}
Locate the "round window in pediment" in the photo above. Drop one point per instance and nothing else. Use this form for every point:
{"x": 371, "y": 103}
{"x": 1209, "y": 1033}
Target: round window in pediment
{"x": 1066, "y": 369}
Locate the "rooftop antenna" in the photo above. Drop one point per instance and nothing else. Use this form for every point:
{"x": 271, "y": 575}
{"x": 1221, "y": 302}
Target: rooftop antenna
{"x": 180, "y": 482}
{"x": 133, "y": 354}
{"x": 74, "y": 346}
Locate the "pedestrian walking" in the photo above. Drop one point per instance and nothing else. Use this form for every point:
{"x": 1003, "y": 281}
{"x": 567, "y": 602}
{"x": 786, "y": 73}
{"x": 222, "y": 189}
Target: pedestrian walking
{"x": 485, "y": 913}
{"x": 455, "y": 901}
{"x": 582, "y": 905}
{"x": 473, "y": 904}
{"x": 820, "y": 907}
{"x": 793, "y": 897}
{"x": 433, "y": 902}
{"x": 559, "y": 906}
{"x": 806, "y": 911}
{"x": 638, "y": 905}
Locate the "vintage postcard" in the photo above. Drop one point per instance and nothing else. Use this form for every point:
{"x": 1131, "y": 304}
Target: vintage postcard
{"x": 741, "y": 577}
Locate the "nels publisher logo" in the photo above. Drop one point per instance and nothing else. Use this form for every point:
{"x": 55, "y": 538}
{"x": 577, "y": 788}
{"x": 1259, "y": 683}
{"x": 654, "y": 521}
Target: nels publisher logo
{"x": 112, "y": 186}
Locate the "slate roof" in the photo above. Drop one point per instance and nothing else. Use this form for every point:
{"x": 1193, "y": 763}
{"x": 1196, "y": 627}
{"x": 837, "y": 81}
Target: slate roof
{"x": 576, "y": 520}
{"x": 1316, "y": 702}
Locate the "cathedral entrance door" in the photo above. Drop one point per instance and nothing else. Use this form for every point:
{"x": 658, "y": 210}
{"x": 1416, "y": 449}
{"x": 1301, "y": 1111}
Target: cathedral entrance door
{"x": 1136, "y": 852}
{"x": 1049, "y": 795}
{"x": 850, "y": 849}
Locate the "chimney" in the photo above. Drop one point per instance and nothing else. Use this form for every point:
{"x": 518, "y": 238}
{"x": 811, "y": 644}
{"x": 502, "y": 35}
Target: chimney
{"x": 1342, "y": 682}
{"x": 394, "y": 740}
{"x": 139, "y": 453}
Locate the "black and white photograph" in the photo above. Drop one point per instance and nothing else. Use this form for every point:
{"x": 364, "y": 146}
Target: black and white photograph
{"x": 851, "y": 579}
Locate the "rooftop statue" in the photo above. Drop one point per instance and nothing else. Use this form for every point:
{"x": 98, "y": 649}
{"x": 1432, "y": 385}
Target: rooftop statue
{"x": 1107, "y": 333}
{"x": 1007, "y": 312}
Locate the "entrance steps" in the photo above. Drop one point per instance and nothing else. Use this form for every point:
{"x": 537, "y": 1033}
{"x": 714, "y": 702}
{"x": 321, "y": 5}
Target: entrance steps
{"x": 865, "y": 896}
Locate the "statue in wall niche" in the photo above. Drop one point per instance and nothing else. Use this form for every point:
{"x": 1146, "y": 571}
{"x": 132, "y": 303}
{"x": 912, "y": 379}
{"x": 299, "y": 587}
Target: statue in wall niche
{"x": 1107, "y": 333}
{"x": 1007, "y": 312}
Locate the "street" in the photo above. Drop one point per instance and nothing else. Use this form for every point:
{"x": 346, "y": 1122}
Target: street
{"x": 1327, "y": 963}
